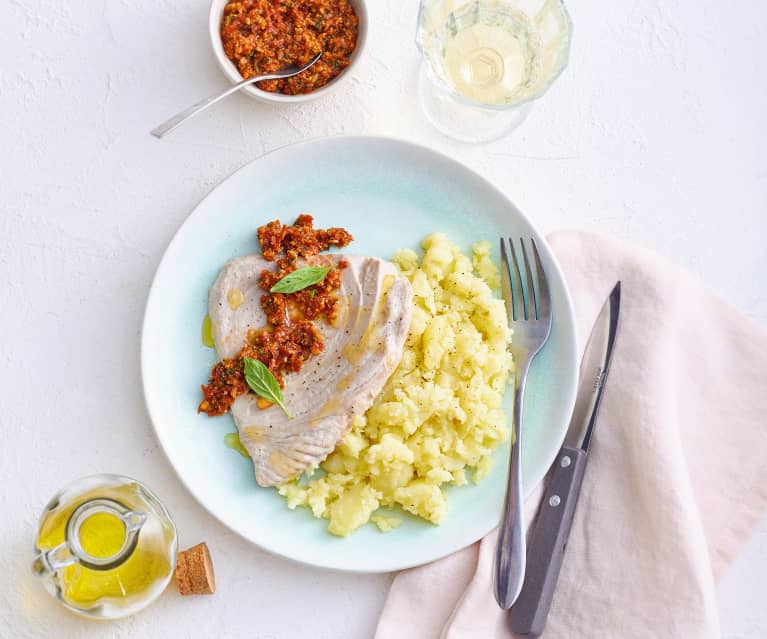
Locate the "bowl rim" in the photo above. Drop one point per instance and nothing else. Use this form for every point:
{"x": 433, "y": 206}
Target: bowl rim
{"x": 230, "y": 70}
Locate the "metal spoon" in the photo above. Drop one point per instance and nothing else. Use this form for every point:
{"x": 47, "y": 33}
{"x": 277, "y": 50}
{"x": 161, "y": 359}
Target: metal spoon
{"x": 176, "y": 120}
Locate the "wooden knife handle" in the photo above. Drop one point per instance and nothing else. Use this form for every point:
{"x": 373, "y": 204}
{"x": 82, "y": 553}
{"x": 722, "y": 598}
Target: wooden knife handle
{"x": 547, "y": 543}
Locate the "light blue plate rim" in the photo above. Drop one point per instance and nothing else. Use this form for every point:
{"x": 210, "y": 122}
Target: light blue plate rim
{"x": 567, "y": 364}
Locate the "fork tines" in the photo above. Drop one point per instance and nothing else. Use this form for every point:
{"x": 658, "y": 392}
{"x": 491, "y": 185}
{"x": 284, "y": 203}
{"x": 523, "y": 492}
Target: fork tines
{"x": 524, "y": 280}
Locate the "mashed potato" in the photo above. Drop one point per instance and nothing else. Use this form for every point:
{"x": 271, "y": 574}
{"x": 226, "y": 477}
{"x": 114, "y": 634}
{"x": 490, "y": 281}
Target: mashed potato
{"x": 439, "y": 415}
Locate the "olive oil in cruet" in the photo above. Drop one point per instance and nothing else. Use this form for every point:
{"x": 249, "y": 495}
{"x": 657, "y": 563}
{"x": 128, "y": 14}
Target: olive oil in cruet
{"x": 105, "y": 546}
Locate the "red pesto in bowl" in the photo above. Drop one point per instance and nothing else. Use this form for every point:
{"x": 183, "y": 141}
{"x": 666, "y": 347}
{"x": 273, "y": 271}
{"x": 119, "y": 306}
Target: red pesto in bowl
{"x": 263, "y": 36}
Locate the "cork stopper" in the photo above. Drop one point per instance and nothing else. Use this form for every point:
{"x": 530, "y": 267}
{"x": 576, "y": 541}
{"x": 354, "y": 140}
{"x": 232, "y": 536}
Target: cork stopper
{"x": 194, "y": 571}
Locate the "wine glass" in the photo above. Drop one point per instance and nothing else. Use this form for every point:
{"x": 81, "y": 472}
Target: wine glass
{"x": 485, "y": 61}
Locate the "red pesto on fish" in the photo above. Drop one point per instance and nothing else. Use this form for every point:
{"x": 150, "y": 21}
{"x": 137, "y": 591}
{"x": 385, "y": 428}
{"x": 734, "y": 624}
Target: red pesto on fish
{"x": 291, "y": 336}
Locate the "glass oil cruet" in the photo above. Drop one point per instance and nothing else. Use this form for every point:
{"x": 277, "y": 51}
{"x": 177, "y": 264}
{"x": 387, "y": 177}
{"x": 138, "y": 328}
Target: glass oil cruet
{"x": 105, "y": 547}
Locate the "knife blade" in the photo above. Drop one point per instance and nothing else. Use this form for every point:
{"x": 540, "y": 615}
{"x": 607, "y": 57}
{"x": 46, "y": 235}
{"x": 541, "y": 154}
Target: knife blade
{"x": 551, "y": 529}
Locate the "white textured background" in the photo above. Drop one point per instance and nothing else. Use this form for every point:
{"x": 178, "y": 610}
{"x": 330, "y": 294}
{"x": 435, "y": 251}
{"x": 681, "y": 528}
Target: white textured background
{"x": 655, "y": 133}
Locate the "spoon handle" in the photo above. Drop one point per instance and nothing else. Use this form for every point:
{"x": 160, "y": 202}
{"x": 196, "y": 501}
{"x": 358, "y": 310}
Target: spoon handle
{"x": 287, "y": 72}
{"x": 167, "y": 126}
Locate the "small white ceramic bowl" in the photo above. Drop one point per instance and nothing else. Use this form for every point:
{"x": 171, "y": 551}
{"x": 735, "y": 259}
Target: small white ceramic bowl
{"x": 217, "y": 12}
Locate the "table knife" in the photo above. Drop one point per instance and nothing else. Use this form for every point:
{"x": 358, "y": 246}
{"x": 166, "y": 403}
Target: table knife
{"x": 548, "y": 538}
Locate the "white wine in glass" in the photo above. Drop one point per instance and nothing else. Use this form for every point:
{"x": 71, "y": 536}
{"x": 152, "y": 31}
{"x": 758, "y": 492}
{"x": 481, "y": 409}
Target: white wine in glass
{"x": 485, "y": 60}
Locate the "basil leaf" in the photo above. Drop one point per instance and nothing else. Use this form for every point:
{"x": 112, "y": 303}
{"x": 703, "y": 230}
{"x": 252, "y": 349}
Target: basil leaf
{"x": 263, "y": 383}
{"x": 300, "y": 279}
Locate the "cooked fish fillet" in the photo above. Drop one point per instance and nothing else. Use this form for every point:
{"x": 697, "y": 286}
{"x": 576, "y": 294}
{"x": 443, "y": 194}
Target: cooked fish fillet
{"x": 362, "y": 349}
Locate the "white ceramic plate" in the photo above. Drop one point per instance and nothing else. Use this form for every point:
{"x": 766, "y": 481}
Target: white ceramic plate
{"x": 389, "y": 194}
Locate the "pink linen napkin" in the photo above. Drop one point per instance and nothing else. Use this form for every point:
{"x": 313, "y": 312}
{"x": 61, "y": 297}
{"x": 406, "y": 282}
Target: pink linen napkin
{"x": 676, "y": 481}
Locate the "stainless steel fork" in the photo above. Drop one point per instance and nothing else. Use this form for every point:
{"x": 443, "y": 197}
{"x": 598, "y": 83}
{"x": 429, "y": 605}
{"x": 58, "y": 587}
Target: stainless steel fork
{"x": 528, "y": 306}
